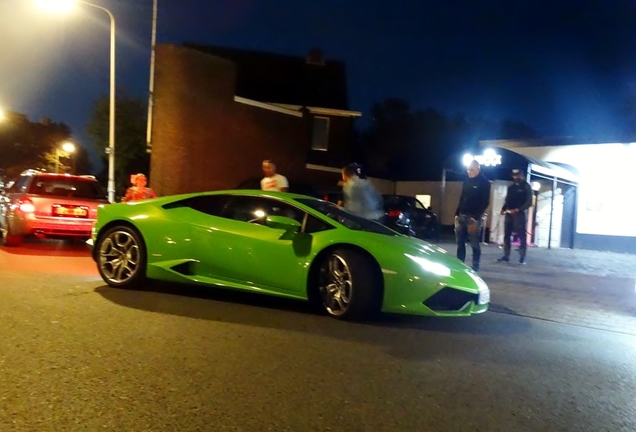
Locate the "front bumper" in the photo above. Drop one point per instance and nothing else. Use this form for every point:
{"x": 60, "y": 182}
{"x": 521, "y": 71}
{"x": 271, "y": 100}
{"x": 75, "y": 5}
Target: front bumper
{"x": 91, "y": 241}
{"x": 420, "y": 309}
{"x": 436, "y": 298}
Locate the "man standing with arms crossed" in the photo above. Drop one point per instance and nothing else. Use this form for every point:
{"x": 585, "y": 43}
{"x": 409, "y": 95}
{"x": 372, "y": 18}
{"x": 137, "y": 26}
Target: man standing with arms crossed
{"x": 518, "y": 200}
{"x": 468, "y": 217}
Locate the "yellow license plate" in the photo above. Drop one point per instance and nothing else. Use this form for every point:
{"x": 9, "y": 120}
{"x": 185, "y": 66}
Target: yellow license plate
{"x": 76, "y": 211}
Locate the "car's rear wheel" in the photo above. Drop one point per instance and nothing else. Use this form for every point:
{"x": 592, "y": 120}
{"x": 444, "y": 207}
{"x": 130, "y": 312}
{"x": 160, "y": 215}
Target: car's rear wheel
{"x": 121, "y": 257}
{"x": 348, "y": 286}
{"x": 10, "y": 239}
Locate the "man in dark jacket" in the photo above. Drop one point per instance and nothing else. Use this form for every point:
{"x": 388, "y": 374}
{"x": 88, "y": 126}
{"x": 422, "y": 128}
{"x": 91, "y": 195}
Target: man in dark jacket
{"x": 468, "y": 216}
{"x": 518, "y": 201}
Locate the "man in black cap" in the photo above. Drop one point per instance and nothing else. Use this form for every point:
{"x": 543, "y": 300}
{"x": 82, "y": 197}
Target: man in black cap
{"x": 518, "y": 200}
{"x": 472, "y": 204}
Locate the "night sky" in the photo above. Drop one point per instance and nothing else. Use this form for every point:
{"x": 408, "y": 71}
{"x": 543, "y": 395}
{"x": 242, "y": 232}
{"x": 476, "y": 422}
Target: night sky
{"x": 563, "y": 67}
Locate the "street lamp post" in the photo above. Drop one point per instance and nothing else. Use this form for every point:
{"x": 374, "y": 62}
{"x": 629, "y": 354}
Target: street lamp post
{"x": 64, "y": 5}
{"x": 111, "y": 122}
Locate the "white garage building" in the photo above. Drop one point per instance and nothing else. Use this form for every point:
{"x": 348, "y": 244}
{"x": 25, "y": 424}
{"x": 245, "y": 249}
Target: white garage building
{"x": 598, "y": 181}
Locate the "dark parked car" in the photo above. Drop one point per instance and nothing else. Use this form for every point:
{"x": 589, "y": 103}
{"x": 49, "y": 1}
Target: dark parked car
{"x": 333, "y": 197}
{"x": 408, "y": 215}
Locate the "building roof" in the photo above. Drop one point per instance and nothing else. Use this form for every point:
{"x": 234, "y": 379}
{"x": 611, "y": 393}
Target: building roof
{"x": 528, "y": 142}
{"x": 285, "y": 79}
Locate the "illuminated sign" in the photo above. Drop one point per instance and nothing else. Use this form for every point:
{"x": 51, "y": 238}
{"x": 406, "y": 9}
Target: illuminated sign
{"x": 489, "y": 158}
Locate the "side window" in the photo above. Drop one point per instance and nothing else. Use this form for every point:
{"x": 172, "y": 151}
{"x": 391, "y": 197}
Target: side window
{"x": 209, "y": 204}
{"x": 419, "y": 205}
{"x": 254, "y": 209}
{"x": 14, "y": 187}
{"x": 315, "y": 225}
{"x": 20, "y": 184}
{"x": 246, "y": 209}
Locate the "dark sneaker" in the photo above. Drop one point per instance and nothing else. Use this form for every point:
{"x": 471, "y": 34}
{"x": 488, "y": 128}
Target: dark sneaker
{"x": 503, "y": 259}
{"x": 522, "y": 261}
{"x": 476, "y": 267}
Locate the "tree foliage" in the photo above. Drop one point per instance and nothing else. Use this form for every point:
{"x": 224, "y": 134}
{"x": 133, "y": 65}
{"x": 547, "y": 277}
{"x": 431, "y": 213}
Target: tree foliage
{"x": 406, "y": 144}
{"x": 77, "y": 162}
{"x": 130, "y": 136}
{"x": 25, "y": 144}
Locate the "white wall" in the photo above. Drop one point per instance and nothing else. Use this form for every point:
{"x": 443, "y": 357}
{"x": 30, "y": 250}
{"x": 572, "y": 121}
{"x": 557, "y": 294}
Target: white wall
{"x": 434, "y": 188}
{"x": 383, "y": 186}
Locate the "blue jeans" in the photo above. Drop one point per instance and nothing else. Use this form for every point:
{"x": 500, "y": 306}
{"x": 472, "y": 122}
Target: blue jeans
{"x": 467, "y": 230}
{"x": 515, "y": 223}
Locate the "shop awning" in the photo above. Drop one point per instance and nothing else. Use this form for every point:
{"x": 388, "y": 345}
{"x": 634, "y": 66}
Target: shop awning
{"x": 551, "y": 170}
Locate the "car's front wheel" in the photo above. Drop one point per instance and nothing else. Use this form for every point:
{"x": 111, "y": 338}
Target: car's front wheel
{"x": 121, "y": 257}
{"x": 349, "y": 286}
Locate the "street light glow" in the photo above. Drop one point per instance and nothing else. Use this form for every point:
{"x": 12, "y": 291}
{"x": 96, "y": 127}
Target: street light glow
{"x": 488, "y": 158}
{"x": 57, "y": 6}
{"x": 1, "y": 115}
{"x": 68, "y": 147}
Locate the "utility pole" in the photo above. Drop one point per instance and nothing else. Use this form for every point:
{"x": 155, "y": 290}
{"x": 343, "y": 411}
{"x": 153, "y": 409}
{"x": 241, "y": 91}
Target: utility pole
{"x": 153, "y": 40}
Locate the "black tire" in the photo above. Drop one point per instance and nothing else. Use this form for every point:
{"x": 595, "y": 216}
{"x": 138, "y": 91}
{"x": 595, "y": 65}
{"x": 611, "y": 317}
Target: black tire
{"x": 13, "y": 240}
{"x": 120, "y": 254}
{"x": 357, "y": 295}
{"x": 9, "y": 239}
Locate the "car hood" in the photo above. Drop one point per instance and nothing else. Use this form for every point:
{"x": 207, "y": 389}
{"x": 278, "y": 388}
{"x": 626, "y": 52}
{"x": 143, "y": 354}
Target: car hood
{"x": 419, "y": 248}
{"x": 412, "y": 256}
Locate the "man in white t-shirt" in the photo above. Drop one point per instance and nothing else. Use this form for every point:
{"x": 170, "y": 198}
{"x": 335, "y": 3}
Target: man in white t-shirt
{"x": 273, "y": 181}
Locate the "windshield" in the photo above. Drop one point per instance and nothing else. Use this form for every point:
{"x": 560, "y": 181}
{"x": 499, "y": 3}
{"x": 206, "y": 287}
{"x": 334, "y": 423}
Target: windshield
{"x": 71, "y": 187}
{"x": 345, "y": 218}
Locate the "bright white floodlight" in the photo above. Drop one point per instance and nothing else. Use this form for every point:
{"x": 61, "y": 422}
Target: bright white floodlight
{"x": 490, "y": 153}
{"x": 57, "y": 6}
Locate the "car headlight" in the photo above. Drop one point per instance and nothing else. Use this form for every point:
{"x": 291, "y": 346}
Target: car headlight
{"x": 431, "y": 266}
{"x": 482, "y": 287}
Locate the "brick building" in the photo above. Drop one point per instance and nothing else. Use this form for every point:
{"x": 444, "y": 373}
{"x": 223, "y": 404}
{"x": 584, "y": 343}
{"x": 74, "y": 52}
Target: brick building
{"x": 218, "y": 112}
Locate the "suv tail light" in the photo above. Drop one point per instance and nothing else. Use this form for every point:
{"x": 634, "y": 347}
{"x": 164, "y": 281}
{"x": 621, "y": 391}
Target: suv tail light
{"x": 394, "y": 213}
{"x": 26, "y": 205}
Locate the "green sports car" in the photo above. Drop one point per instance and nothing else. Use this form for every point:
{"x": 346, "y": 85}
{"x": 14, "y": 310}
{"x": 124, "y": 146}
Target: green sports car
{"x": 285, "y": 245}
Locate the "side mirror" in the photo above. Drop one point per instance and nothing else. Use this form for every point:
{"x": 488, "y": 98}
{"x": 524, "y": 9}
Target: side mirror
{"x": 282, "y": 222}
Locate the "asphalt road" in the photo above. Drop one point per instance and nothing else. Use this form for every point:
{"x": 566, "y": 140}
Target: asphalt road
{"x": 78, "y": 356}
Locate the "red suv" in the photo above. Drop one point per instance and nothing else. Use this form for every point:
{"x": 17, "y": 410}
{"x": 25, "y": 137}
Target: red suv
{"x": 50, "y": 206}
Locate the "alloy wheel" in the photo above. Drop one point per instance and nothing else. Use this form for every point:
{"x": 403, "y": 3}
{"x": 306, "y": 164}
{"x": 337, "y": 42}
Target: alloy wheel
{"x": 336, "y": 285}
{"x": 119, "y": 256}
